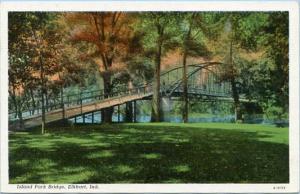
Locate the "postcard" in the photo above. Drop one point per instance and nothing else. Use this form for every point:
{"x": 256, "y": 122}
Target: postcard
{"x": 149, "y": 97}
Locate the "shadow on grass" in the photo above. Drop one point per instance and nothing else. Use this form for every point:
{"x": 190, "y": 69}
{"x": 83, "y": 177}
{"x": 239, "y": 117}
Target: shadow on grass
{"x": 146, "y": 154}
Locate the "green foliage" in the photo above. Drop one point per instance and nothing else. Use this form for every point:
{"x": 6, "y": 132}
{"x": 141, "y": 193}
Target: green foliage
{"x": 214, "y": 107}
{"x": 39, "y": 57}
{"x": 260, "y": 55}
{"x": 141, "y": 69}
{"x": 249, "y": 29}
{"x": 277, "y": 45}
{"x": 32, "y": 46}
{"x": 259, "y": 50}
{"x": 151, "y": 24}
{"x": 275, "y": 113}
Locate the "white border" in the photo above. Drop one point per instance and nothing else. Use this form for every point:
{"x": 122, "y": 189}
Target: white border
{"x": 291, "y": 6}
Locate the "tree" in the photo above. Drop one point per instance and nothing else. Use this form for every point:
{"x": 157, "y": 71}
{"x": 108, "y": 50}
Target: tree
{"x": 20, "y": 77}
{"x": 18, "y": 72}
{"x": 192, "y": 25}
{"x": 37, "y": 60}
{"x": 277, "y": 45}
{"x": 265, "y": 77}
{"x": 108, "y": 34}
{"x": 45, "y": 44}
{"x": 240, "y": 37}
{"x": 159, "y": 29}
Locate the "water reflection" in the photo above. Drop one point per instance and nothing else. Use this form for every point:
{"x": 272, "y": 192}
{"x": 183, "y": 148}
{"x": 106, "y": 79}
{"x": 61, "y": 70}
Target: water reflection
{"x": 174, "y": 119}
{"x": 198, "y": 112}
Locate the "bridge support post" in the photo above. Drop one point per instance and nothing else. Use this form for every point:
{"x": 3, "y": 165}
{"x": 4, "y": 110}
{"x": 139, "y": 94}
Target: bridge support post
{"x": 237, "y": 113}
{"x": 83, "y": 118}
{"x": 68, "y": 101}
{"x": 81, "y": 105}
{"x": 166, "y": 109}
{"x": 75, "y": 119}
{"x": 119, "y": 114}
{"x": 63, "y": 112}
{"x": 128, "y": 112}
{"x": 134, "y": 111}
{"x": 92, "y": 117}
{"x": 62, "y": 103}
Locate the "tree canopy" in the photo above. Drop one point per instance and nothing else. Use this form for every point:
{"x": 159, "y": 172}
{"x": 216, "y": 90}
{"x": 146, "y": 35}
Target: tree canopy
{"x": 50, "y": 53}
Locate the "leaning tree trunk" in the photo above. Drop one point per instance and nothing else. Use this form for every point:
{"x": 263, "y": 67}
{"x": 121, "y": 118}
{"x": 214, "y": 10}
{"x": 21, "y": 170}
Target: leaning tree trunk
{"x": 106, "y": 113}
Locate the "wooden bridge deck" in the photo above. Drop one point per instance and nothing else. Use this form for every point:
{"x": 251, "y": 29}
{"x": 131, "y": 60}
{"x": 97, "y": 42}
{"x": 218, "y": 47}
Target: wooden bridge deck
{"x": 76, "y": 110}
{"x": 171, "y": 86}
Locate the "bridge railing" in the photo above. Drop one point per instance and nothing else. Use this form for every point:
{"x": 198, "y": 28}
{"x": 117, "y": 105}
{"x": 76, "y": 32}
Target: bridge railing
{"x": 217, "y": 92}
{"x": 171, "y": 80}
{"x": 34, "y": 107}
{"x": 81, "y": 99}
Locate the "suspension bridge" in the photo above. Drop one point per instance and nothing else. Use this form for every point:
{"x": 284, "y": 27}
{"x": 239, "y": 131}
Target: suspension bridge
{"x": 203, "y": 82}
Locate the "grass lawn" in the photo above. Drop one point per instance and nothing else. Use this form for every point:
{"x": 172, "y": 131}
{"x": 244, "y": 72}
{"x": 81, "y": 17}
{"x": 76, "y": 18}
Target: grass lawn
{"x": 151, "y": 153}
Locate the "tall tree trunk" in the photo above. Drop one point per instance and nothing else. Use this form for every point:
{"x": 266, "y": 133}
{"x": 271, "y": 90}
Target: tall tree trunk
{"x": 43, "y": 92}
{"x": 156, "y": 115}
{"x": 236, "y": 100}
{"x": 14, "y": 99}
{"x": 19, "y": 111}
{"x": 106, "y": 113}
{"x": 184, "y": 77}
{"x": 128, "y": 106}
{"x": 235, "y": 93}
{"x": 185, "y": 90}
{"x": 42, "y": 77}
{"x": 156, "y": 101}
